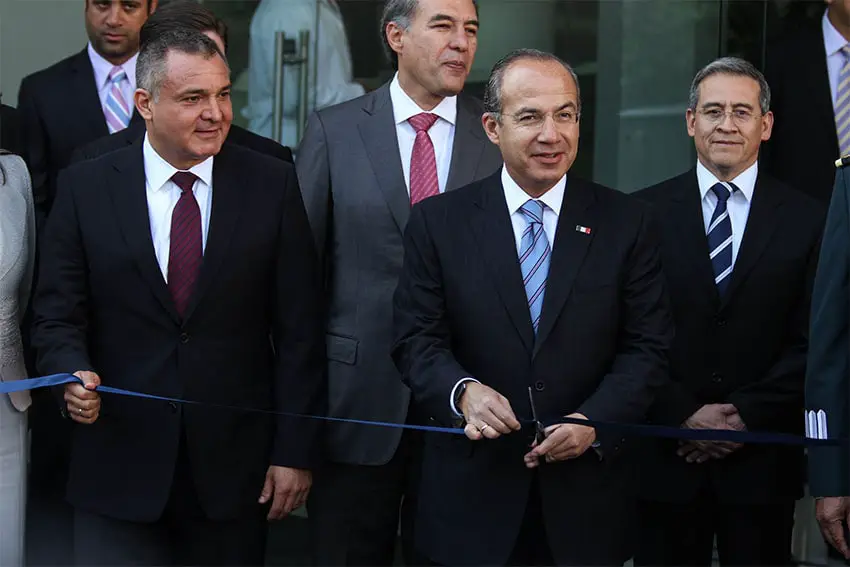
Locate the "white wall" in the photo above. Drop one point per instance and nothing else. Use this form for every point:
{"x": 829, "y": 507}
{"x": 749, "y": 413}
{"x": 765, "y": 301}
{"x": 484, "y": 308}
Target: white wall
{"x": 35, "y": 34}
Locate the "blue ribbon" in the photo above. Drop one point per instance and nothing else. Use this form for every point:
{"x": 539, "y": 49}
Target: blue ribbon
{"x": 625, "y": 429}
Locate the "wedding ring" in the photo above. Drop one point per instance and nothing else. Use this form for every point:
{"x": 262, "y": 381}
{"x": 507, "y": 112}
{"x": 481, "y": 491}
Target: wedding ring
{"x": 80, "y": 411}
{"x": 483, "y": 427}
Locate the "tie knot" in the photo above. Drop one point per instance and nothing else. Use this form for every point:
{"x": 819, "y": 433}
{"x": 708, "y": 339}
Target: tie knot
{"x": 533, "y": 210}
{"x": 117, "y": 74}
{"x": 422, "y": 122}
{"x": 723, "y": 191}
{"x": 185, "y": 180}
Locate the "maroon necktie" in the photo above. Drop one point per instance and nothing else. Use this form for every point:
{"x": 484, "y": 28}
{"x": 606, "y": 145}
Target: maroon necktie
{"x": 423, "y": 161}
{"x": 185, "y": 251}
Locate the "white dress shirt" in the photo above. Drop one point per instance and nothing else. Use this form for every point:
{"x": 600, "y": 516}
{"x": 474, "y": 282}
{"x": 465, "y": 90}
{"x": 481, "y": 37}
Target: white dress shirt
{"x": 515, "y": 198}
{"x": 163, "y": 194}
{"x": 335, "y": 80}
{"x": 738, "y": 204}
{"x": 833, "y": 41}
{"x": 102, "y": 68}
{"x": 442, "y": 133}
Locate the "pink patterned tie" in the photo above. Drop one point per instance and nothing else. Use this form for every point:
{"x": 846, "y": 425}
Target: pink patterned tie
{"x": 423, "y": 162}
{"x": 115, "y": 108}
{"x": 185, "y": 251}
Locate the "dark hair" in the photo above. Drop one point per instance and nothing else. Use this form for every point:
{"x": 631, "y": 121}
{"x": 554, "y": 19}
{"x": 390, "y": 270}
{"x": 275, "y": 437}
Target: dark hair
{"x": 179, "y": 14}
{"x": 400, "y": 12}
{"x": 151, "y": 66}
{"x": 493, "y": 90}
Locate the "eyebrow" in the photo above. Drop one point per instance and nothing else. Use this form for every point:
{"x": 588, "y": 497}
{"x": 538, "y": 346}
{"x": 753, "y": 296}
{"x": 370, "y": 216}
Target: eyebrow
{"x": 446, "y": 18}
{"x": 526, "y": 109}
{"x": 734, "y": 105}
{"x": 203, "y": 91}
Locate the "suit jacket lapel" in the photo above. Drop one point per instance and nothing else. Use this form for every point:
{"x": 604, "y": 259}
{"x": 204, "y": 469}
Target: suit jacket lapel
{"x": 127, "y": 190}
{"x": 379, "y": 138}
{"x": 491, "y": 225}
{"x": 88, "y": 101}
{"x": 469, "y": 143}
{"x": 227, "y": 205}
{"x": 761, "y": 224}
{"x": 691, "y": 240}
{"x": 568, "y": 254}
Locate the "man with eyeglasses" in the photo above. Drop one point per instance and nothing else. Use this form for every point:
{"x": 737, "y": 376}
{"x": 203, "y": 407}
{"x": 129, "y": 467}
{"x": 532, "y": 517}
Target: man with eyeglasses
{"x": 739, "y": 251}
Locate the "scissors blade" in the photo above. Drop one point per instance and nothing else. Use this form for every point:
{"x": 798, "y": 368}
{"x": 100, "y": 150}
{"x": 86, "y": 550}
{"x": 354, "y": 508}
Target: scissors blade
{"x": 533, "y": 408}
{"x": 540, "y": 434}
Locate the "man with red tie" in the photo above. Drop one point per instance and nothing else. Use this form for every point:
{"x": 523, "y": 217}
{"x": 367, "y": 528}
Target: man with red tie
{"x": 361, "y": 166}
{"x": 166, "y": 267}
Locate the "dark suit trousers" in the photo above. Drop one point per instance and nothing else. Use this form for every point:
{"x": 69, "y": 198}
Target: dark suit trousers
{"x": 683, "y": 534}
{"x": 354, "y": 510}
{"x": 182, "y": 536}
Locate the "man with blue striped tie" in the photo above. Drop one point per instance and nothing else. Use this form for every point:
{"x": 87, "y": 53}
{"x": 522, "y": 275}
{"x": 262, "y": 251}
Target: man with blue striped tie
{"x": 739, "y": 251}
{"x": 526, "y": 297}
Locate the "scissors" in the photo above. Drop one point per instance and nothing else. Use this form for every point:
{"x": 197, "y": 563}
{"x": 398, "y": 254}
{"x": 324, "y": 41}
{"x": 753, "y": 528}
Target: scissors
{"x": 539, "y": 430}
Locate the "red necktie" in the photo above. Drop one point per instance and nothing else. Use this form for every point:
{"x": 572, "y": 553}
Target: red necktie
{"x": 185, "y": 251}
{"x": 423, "y": 162}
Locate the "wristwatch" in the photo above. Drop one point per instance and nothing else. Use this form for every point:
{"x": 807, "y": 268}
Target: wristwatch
{"x": 459, "y": 391}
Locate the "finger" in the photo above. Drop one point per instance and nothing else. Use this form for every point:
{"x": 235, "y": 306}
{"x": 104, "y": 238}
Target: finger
{"x": 531, "y": 461}
{"x": 290, "y": 502}
{"x": 686, "y": 449}
{"x": 835, "y": 535}
{"x": 268, "y": 488}
{"x": 488, "y": 416}
{"x": 472, "y": 433}
{"x": 727, "y": 409}
{"x": 560, "y": 437}
{"x": 702, "y": 458}
{"x": 506, "y": 414}
{"x": 278, "y": 503}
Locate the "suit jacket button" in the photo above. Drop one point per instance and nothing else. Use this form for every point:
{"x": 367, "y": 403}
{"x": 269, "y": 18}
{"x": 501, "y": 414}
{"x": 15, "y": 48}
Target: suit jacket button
{"x": 173, "y": 407}
{"x": 184, "y": 338}
{"x": 539, "y": 386}
{"x": 716, "y": 377}
{"x": 721, "y": 322}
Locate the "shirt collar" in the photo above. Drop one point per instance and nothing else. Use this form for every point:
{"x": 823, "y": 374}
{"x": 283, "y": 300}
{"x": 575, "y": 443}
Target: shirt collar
{"x": 832, "y": 40}
{"x": 404, "y": 107}
{"x": 516, "y": 197}
{"x": 745, "y": 182}
{"x": 102, "y": 68}
{"x": 158, "y": 171}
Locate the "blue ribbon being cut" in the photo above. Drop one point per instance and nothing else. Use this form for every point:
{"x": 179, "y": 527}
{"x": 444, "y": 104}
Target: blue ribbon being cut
{"x": 625, "y": 429}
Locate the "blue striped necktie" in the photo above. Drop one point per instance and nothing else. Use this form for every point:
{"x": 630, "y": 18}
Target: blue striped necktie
{"x": 842, "y": 104}
{"x": 720, "y": 237}
{"x": 534, "y": 259}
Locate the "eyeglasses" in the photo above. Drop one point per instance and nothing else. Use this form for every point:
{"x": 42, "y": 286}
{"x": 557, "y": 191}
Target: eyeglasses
{"x": 740, "y": 116}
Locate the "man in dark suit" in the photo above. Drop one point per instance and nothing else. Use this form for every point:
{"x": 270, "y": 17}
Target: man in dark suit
{"x": 360, "y": 165}
{"x": 530, "y": 283}
{"x": 739, "y": 251}
{"x": 98, "y": 83}
{"x": 827, "y": 382}
{"x": 203, "y": 285}
{"x": 176, "y": 15}
{"x": 806, "y": 71}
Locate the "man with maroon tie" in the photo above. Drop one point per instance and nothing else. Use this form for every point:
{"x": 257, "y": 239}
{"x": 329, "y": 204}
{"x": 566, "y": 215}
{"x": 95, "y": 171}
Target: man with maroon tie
{"x": 361, "y": 166}
{"x": 166, "y": 267}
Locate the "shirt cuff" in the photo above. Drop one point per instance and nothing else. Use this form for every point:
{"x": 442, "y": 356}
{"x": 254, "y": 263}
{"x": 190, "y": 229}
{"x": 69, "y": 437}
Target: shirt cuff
{"x": 452, "y": 394}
